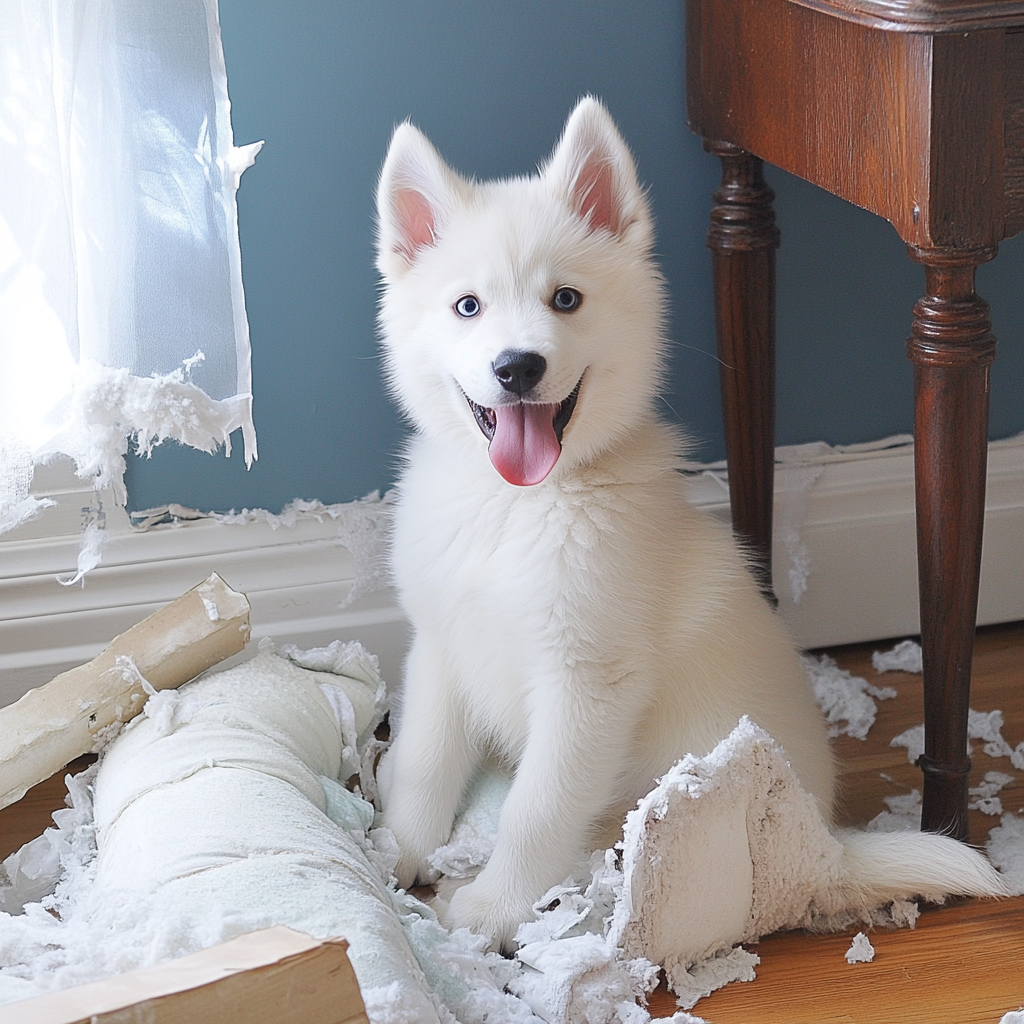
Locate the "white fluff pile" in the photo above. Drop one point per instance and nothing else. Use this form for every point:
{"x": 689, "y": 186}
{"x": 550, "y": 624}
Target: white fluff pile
{"x": 846, "y": 700}
{"x": 221, "y": 810}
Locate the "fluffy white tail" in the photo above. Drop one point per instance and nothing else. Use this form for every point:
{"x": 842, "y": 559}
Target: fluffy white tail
{"x": 883, "y": 866}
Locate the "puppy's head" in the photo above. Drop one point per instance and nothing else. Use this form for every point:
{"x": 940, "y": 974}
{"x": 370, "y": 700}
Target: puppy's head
{"x": 521, "y": 318}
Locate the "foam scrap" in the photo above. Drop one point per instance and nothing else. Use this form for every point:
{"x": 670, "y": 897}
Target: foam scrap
{"x": 476, "y": 826}
{"x": 581, "y": 979}
{"x": 984, "y": 797}
{"x": 903, "y": 815}
{"x": 1005, "y": 848}
{"x": 847, "y": 701}
{"x": 906, "y": 656}
{"x": 702, "y": 978}
{"x": 981, "y": 725}
{"x": 913, "y": 740}
{"x": 861, "y": 951}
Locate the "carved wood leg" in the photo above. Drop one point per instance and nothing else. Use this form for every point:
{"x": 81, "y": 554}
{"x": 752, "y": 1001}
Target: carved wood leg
{"x": 951, "y": 346}
{"x": 743, "y": 239}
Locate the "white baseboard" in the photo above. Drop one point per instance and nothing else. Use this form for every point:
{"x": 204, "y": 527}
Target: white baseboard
{"x": 852, "y": 511}
{"x": 297, "y": 579}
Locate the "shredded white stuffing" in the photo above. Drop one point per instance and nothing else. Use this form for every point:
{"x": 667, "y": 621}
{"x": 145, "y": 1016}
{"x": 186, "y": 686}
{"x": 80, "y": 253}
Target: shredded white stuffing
{"x": 363, "y": 528}
{"x": 981, "y": 725}
{"x": 472, "y": 840}
{"x": 904, "y": 814}
{"x": 861, "y": 951}
{"x": 1013, "y": 1017}
{"x": 316, "y": 862}
{"x": 844, "y": 697}
{"x": 1005, "y": 848}
{"x": 701, "y": 979}
{"x": 904, "y": 657}
{"x": 984, "y": 796}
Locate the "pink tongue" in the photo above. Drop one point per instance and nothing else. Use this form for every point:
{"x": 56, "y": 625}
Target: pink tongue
{"x": 524, "y": 448}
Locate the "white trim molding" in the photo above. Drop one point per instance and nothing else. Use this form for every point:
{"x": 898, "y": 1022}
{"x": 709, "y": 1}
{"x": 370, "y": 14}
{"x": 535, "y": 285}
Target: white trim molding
{"x": 844, "y": 529}
{"x": 298, "y": 572}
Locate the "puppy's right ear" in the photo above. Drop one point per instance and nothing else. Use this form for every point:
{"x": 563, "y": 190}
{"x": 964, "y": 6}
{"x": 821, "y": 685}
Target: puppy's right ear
{"x": 415, "y": 198}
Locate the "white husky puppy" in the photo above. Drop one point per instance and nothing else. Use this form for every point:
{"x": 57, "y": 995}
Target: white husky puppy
{"x": 572, "y": 613}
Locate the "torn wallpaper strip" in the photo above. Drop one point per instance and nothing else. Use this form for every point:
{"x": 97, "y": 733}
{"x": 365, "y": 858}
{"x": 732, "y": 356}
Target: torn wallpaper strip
{"x": 122, "y": 316}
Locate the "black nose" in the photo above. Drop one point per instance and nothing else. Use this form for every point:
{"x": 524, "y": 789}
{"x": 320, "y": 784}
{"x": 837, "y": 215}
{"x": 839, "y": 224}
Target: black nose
{"x": 519, "y": 372}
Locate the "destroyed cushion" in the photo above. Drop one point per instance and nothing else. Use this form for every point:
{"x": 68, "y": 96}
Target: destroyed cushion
{"x": 211, "y": 820}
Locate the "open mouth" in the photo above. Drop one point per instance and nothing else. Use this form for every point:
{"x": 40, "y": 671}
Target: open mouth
{"x": 525, "y": 439}
{"x": 487, "y": 419}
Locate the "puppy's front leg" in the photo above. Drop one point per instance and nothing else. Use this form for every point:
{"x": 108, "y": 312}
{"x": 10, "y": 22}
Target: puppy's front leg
{"x": 424, "y": 773}
{"x": 563, "y": 786}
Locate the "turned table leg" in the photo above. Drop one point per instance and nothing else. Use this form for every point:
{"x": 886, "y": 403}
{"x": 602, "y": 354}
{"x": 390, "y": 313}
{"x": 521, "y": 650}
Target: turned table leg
{"x": 951, "y": 347}
{"x": 743, "y": 239}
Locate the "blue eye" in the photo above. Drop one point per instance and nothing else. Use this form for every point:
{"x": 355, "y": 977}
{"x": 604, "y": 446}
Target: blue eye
{"x": 468, "y": 306}
{"x": 566, "y": 300}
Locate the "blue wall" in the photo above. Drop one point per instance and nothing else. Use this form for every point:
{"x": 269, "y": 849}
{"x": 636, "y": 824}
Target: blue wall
{"x": 491, "y": 82}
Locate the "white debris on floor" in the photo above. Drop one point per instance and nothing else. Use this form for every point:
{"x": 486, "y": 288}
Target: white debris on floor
{"x": 844, "y": 697}
{"x": 861, "y": 951}
{"x": 981, "y": 725}
{"x": 983, "y": 797}
{"x": 904, "y": 657}
{"x": 903, "y": 815}
{"x": 157, "y": 857}
{"x": 1005, "y": 848}
{"x": 1005, "y": 845}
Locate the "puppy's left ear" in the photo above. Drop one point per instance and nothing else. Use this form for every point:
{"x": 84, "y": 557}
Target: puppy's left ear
{"x": 593, "y": 168}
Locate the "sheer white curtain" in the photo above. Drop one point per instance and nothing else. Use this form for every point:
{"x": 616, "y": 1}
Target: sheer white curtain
{"x": 121, "y": 307}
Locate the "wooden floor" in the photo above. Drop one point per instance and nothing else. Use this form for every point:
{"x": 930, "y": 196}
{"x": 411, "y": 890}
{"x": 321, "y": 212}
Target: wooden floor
{"x": 963, "y": 964}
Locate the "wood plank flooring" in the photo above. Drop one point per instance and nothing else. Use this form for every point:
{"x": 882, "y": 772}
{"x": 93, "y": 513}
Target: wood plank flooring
{"x": 963, "y": 964}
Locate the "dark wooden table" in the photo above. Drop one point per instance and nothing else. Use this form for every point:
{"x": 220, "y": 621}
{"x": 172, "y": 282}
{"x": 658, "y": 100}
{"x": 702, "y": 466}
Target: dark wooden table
{"x": 913, "y": 109}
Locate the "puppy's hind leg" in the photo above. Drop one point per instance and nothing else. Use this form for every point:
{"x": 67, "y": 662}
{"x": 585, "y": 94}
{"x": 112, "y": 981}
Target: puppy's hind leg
{"x": 424, "y": 773}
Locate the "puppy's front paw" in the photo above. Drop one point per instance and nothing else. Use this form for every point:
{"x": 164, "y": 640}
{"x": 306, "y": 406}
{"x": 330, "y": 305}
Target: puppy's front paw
{"x": 412, "y": 866}
{"x": 413, "y": 869}
{"x": 489, "y": 910}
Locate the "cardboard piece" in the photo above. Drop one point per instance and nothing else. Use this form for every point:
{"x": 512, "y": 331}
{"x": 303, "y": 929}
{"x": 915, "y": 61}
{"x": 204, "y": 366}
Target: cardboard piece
{"x": 52, "y": 725}
{"x": 273, "y": 976}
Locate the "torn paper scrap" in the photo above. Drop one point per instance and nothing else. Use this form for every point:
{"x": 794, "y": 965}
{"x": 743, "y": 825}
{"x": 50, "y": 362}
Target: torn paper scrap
{"x": 904, "y": 657}
{"x": 986, "y": 726}
{"x": 861, "y": 951}
{"x": 362, "y": 528}
{"x": 846, "y": 700}
{"x": 983, "y": 797}
{"x": 903, "y": 815}
{"x": 706, "y": 976}
{"x": 1005, "y": 848}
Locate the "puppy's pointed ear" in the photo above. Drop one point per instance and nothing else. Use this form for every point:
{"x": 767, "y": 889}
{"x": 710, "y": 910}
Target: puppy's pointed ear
{"x": 594, "y": 170}
{"x": 415, "y": 198}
